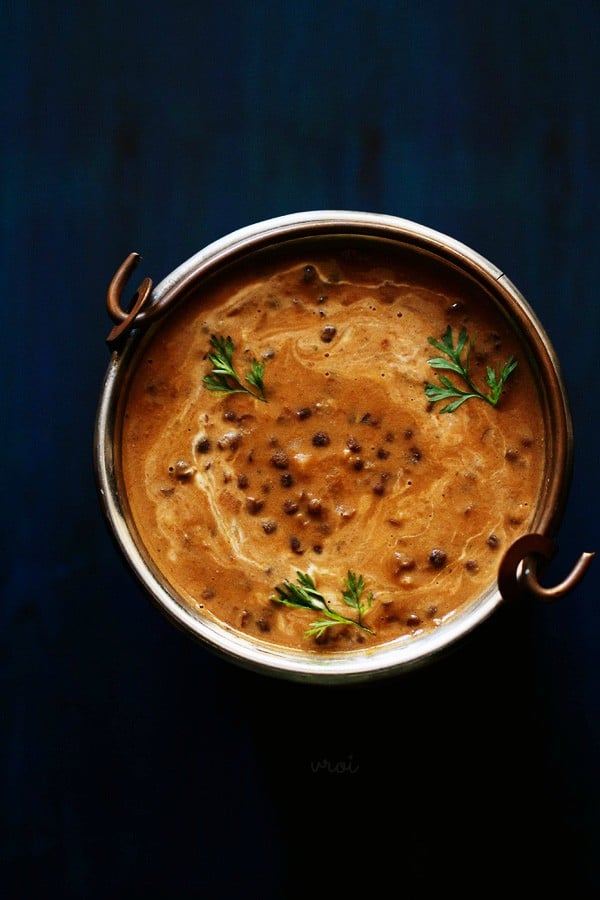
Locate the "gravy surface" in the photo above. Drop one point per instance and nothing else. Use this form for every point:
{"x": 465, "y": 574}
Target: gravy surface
{"x": 347, "y": 466}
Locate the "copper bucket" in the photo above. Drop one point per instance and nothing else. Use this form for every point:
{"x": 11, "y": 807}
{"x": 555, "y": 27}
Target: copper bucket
{"x": 521, "y": 567}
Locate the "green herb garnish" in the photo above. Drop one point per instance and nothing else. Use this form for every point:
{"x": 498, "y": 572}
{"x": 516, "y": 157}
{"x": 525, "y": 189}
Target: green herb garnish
{"x": 446, "y": 390}
{"x": 304, "y": 595}
{"x": 223, "y": 376}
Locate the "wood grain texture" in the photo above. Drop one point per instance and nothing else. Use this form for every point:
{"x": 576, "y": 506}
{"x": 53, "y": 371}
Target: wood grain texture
{"x": 132, "y": 764}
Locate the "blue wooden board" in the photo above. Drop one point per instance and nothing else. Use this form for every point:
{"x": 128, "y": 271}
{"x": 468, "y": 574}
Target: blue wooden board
{"x": 134, "y": 764}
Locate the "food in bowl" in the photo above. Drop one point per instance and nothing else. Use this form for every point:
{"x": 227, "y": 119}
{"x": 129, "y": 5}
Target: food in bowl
{"x": 283, "y": 445}
{"x": 324, "y": 440}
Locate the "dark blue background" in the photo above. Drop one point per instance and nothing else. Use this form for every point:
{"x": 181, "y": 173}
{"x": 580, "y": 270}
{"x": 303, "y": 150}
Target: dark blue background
{"x": 133, "y": 763}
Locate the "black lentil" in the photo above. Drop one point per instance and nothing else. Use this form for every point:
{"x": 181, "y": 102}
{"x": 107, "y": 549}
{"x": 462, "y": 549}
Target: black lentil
{"x": 404, "y": 563}
{"x": 229, "y": 441}
{"x": 315, "y": 507}
{"x": 254, "y": 505}
{"x": 183, "y": 470}
{"x": 328, "y": 333}
{"x": 437, "y": 558}
{"x": 279, "y": 459}
{"x": 369, "y": 419}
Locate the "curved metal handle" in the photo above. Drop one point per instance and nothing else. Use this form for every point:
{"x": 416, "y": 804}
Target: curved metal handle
{"x": 516, "y": 580}
{"x": 124, "y": 318}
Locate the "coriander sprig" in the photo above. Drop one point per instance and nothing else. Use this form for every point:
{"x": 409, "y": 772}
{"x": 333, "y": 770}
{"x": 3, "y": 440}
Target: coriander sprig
{"x": 223, "y": 376}
{"x": 304, "y": 595}
{"x": 446, "y": 390}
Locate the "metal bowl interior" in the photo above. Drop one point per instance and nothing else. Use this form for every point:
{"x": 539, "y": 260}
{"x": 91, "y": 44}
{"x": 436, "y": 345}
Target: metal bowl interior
{"x": 259, "y": 655}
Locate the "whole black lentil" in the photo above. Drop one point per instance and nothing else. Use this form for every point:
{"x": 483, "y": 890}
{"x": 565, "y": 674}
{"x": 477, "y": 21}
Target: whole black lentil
{"x": 404, "y": 563}
{"x": 328, "y": 333}
{"x": 369, "y": 419}
{"x": 279, "y": 459}
{"x": 314, "y": 507}
{"x": 254, "y": 505}
{"x": 183, "y": 470}
{"x": 229, "y": 441}
{"x": 437, "y": 558}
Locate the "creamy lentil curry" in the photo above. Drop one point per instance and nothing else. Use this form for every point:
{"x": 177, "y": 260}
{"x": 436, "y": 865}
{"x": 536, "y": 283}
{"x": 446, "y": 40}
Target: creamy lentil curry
{"x": 345, "y": 466}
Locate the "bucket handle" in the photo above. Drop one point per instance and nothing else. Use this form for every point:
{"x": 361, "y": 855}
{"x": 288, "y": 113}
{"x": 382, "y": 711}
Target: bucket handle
{"x": 125, "y": 318}
{"x": 516, "y": 580}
